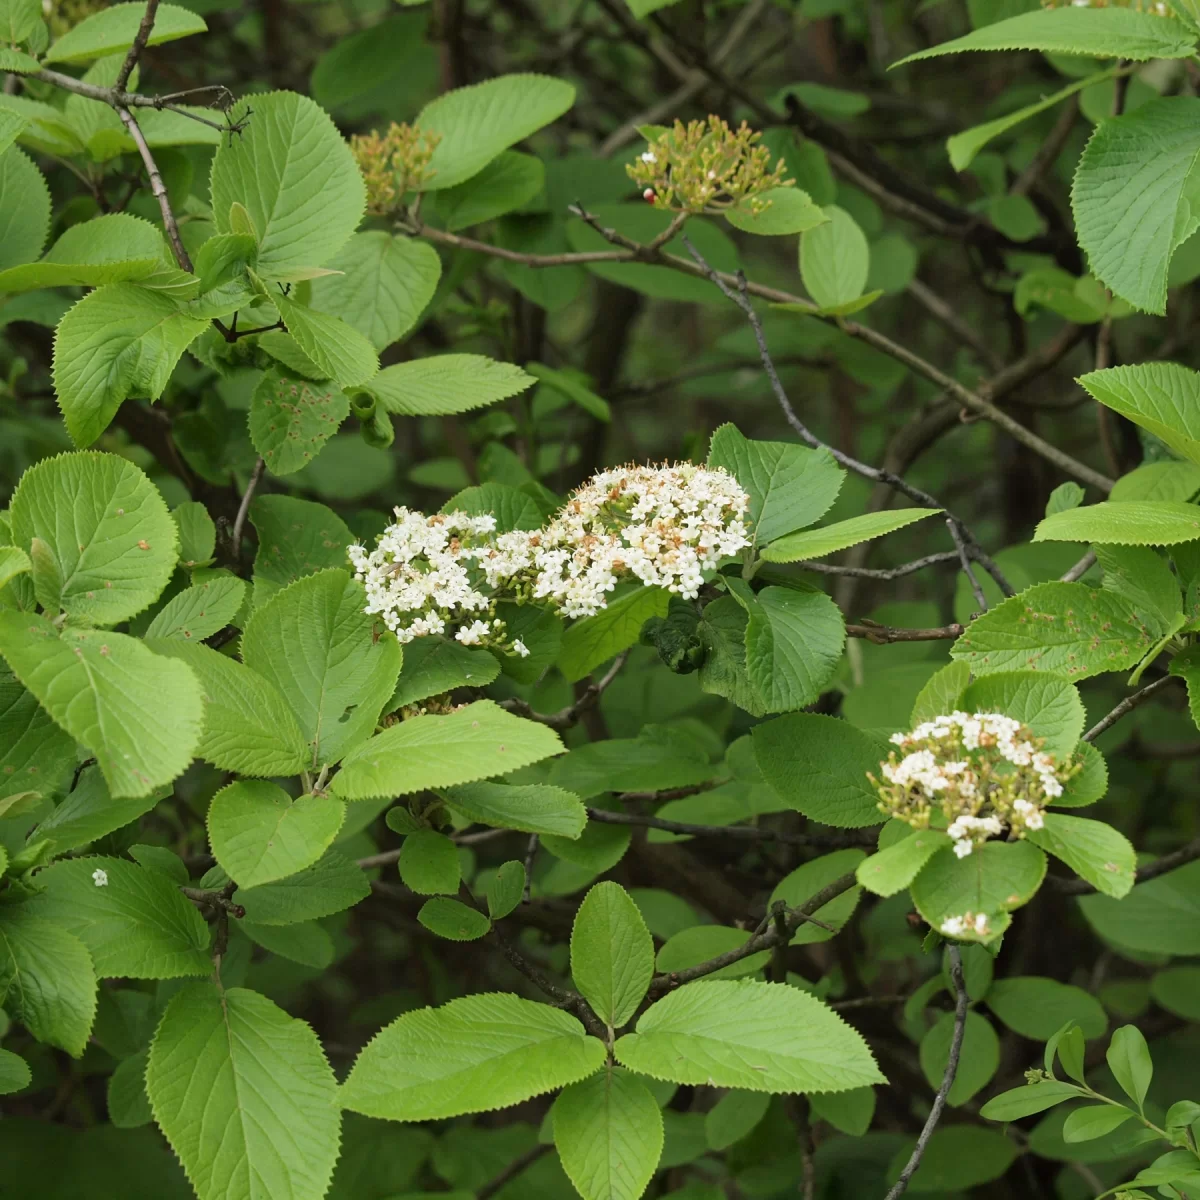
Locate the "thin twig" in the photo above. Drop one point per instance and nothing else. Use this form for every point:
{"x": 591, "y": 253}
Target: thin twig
{"x": 881, "y": 573}
{"x": 1128, "y": 705}
{"x": 884, "y": 635}
{"x": 1080, "y": 569}
{"x": 514, "y": 1168}
{"x": 939, "y": 1101}
{"x": 157, "y": 188}
{"x": 530, "y": 854}
{"x": 568, "y": 717}
{"x": 965, "y": 559}
{"x": 139, "y": 44}
{"x": 750, "y": 833}
{"x": 239, "y": 522}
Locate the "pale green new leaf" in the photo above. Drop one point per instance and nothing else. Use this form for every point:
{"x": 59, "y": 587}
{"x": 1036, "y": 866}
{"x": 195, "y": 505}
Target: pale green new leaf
{"x": 1124, "y": 523}
{"x": 46, "y": 979}
{"x": 293, "y": 173}
{"x": 588, "y": 643}
{"x": 434, "y": 751}
{"x": 18, "y": 19}
{"x": 442, "y": 384}
{"x": 1066, "y": 628}
{"x": 17, "y": 62}
{"x": 789, "y": 486}
{"x": 476, "y": 123}
{"x": 15, "y": 1075}
{"x": 612, "y": 953}
{"x": 817, "y": 543}
{"x": 292, "y": 418}
{"x": 137, "y": 712}
{"x": 339, "y": 350}
{"x": 892, "y": 870}
{"x": 1096, "y": 33}
{"x": 1028, "y": 1100}
{"x": 118, "y": 341}
{"x": 1094, "y": 850}
{"x": 385, "y": 285}
{"x": 1163, "y": 398}
{"x": 248, "y": 726}
{"x": 835, "y": 259}
{"x": 1134, "y": 196}
{"x": 529, "y": 807}
{"x": 1169, "y": 480}
{"x": 608, "y": 1131}
{"x": 789, "y": 210}
{"x": 763, "y": 1037}
{"x": 329, "y": 886}
{"x": 199, "y": 611}
{"x": 1094, "y": 1121}
{"x": 334, "y": 667}
{"x": 1129, "y": 1060}
{"x": 114, "y": 28}
{"x": 13, "y": 562}
{"x": 471, "y": 1055}
{"x": 102, "y": 540}
{"x": 244, "y": 1095}
{"x": 24, "y": 208}
{"x": 962, "y": 147}
{"x": 258, "y": 833}
{"x": 135, "y": 923}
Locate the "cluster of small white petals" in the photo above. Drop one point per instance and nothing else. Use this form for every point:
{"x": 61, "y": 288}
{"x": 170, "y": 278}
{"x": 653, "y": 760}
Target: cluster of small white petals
{"x": 100, "y": 877}
{"x": 984, "y": 773}
{"x": 968, "y": 922}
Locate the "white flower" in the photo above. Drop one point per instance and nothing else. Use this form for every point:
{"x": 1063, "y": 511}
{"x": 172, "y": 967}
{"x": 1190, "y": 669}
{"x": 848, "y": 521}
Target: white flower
{"x": 519, "y": 647}
{"x": 100, "y": 878}
{"x": 648, "y": 157}
{"x": 471, "y": 635}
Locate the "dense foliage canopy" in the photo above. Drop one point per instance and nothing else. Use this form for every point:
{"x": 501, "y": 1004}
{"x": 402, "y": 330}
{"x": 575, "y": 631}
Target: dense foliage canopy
{"x": 597, "y": 600}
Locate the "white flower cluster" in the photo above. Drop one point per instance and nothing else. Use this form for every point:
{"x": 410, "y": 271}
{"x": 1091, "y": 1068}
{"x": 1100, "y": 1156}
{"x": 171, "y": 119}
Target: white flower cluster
{"x": 968, "y": 922}
{"x": 100, "y": 877}
{"x": 665, "y": 526}
{"x": 984, "y": 772}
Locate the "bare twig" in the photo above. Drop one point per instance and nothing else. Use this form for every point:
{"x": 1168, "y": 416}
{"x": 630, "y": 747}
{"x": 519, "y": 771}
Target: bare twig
{"x": 239, "y": 523}
{"x": 883, "y": 635}
{"x": 1080, "y": 569}
{"x": 530, "y": 854}
{"x": 948, "y": 316}
{"x": 965, "y": 559}
{"x": 1049, "y": 150}
{"x": 749, "y": 833}
{"x": 939, "y": 1101}
{"x": 139, "y": 44}
{"x": 1128, "y": 705}
{"x": 567, "y": 717}
{"x": 882, "y": 573}
{"x": 157, "y": 188}
{"x": 514, "y": 1168}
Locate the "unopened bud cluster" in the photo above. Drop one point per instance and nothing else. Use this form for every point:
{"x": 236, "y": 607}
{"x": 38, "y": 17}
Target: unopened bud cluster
{"x": 983, "y": 774}
{"x": 664, "y": 526}
{"x": 393, "y": 163}
{"x": 705, "y": 166}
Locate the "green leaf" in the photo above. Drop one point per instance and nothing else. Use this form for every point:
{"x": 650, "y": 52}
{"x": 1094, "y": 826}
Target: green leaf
{"x": 471, "y": 1055}
{"x": 1048, "y": 704}
{"x": 817, "y": 543}
{"x": 849, "y": 1112}
{"x": 259, "y": 834}
{"x": 15, "y": 1075}
{"x": 46, "y": 979}
{"x": 1133, "y": 195}
{"x": 329, "y": 886}
{"x": 1094, "y": 1121}
{"x": 453, "y": 920}
{"x": 794, "y": 642}
{"x": 89, "y": 812}
{"x": 137, "y": 712}
{"x": 819, "y": 765}
{"x": 200, "y": 611}
{"x": 650, "y": 763}
{"x": 978, "y": 1062}
{"x": 1124, "y": 523}
{"x": 759, "y": 1036}
{"x": 1066, "y": 628}
{"x": 114, "y": 29}
{"x": 1025, "y": 1101}
{"x": 567, "y": 385}
{"x": 477, "y": 123}
{"x": 306, "y": 942}
{"x": 35, "y": 754}
{"x": 197, "y": 534}
{"x": 339, "y": 351}
{"x": 1162, "y": 398}
{"x": 385, "y": 284}
{"x": 295, "y": 538}
{"x": 434, "y": 666}
{"x": 942, "y": 694}
{"x": 24, "y": 209}
{"x": 1144, "y": 578}
{"x": 598, "y": 849}
{"x": 429, "y": 863}
{"x": 292, "y": 418}
{"x": 440, "y": 751}
{"x": 994, "y": 879}
{"x": 608, "y": 1131}
{"x": 1177, "y": 989}
{"x": 248, "y": 726}
{"x": 506, "y": 889}
{"x": 442, "y": 384}
{"x": 244, "y": 1095}
{"x": 958, "y": 1157}
{"x": 1093, "y": 850}
{"x": 111, "y": 552}
{"x": 722, "y": 633}
{"x": 295, "y": 176}
{"x": 962, "y": 147}
{"x": 128, "y": 1104}
{"x": 807, "y": 880}
{"x": 512, "y": 509}
{"x": 13, "y": 562}
{"x": 137, "y": 925}
{"x": 699, "y": 943}
{"x": 1170, "y": 480}
{"x": 612, "y": 953}
{"x": 834, "y": 259}
{"x": 529, "y": 807}
{"x": 789, "y": 486}
{"x": 789, "y": 210}
{"x": 18, "y": 19}
{"x": 1160, "y": 916}
{"x": 1036, "y": 1007}
{"x": 509, "y": 181}
{"x": 734, "y": 1116}
{"x": 588, "y": 643}
{"x": 322, "y": 652}
{"x": 1066, "y": 496}
{"x": 1129, "y": 1060}
{"x": 114, "y": 248}
{"x": 892, "y": 870}
{"x": 1096, "y": 33}
{"x": 118, "y": 341}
